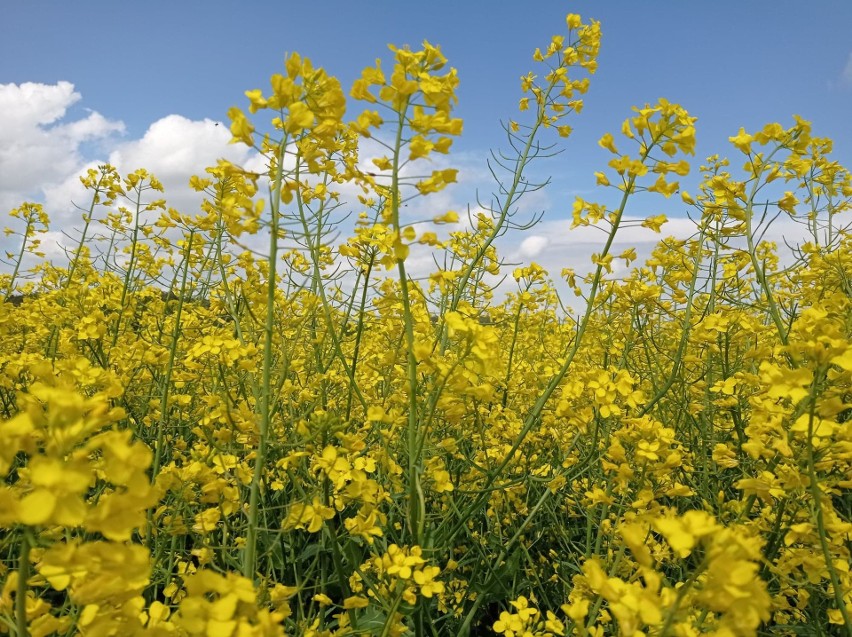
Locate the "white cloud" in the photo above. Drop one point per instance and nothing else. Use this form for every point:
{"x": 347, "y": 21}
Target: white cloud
{"x": 532, "y": 246}
{"x": 37, "y": 147}
{"x": 173, "y": 149}
{"x": 42, "y": 155}
{"x": 555, "y": 246}
{"x": 30, "y": 105}
{"x": 176, "y": 147}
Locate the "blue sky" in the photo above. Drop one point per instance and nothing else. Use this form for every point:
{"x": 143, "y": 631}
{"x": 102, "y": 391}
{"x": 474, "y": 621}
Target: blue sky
{"x": 730, "y": 63}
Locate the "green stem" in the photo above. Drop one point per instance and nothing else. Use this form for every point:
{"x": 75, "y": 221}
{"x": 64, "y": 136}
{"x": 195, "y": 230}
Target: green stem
{"x": 388, "y": 627}
{"x": 250, "y": 551}
{"x": 816, "y": 494}
{"x": 164, "y": 396}
{"x": 83, "y": 235}
{"x": 515, "y": 331}
{"x": 21, "y": 595}
{"x": 128, "y": 275}
{"x": 681, "y": 594}
{"x": 537, "y": 408}
{"x": 507, "y": 547}
{"x": 11, "y": 287}
{"x": 523, "y": 159}
{"x": 415, "y": 491}
{"x": 359, "y": 332}
{"x": 685, "y": 331}
{"x": 759, "y": 271}
{"x": 314, "y": 248}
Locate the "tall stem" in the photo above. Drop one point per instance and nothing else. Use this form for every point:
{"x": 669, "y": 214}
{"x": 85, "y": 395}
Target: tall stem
{"x": 167, "y": 379}
{"x": 11, "y": 287}
{"x": 250, "y": 551}
{"x": 416, "y": 504}
{"x": 816, "y": 494}
{"x": 21, "y": 595}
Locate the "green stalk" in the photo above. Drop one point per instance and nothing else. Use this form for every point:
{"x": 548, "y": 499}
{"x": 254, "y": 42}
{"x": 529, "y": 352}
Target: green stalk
{"x": 314, "y": 249}
{"x": 359, "y": 332}
{"x": 21, "y": 594}
{"x": 388, "y": 626}
{"x": 416, "y": 504}
{"x": 11, "y": 287}
{"x": 521, "y": 163}
{"x": 759, "y": 271}
{"x": 167, "y": 380}
{"x": 166, "y": 384}
{"x": 250, "y": 551}
{"x": 88, "y": 219}
{"x": 685, "y": 331}
{"x": 537, "y": 408}
{"x": 507, "y": 547}
{"x": 131, "y": 264}
{"x": 515, "y": 331}
{"x": 816, "y": 494}
{"x": 336, "y": 557}
{"x": 681, "y": 594}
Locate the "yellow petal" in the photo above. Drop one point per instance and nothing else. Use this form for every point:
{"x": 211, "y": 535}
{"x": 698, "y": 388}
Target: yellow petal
{"x": 356, "y": 601}
{"x": 37, "y": 507}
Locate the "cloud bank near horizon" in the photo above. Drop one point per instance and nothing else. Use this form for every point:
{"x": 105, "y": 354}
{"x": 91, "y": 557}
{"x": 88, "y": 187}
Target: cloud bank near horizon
{"x": 44, "y": 150}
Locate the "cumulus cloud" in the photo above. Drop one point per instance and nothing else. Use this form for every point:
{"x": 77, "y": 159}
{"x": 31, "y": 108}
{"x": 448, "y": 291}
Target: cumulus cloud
{"x": 43, "y": 154}
{"x": 532, "y": 246}
{"x": 41, "y": 158}
{"x": 176, "y": 148}
{"x": 173, "y": 149}
{"x": 555, "y": 246}
{"x": 30, "y": 105}
{"x": 38, "y": 147}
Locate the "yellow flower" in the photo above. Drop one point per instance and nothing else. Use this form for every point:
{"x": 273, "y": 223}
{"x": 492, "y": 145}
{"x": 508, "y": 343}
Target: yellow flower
{"x": 437, "y": 182}
{"x": 667, "y": 189}
{"x": 655, "y": 223}
{"x": 322, "y": 599}
{"x": 742, "y": 141}
{"x": 451, "y": 216}
{"x": 299, "y": 118}
{"x": 310, "y": 517}
{"x": 241, "y": 128}
{"x": 257, "y": 100}
{"x": 608, "y": 143}
{"x": 355, "y": 601}
{"x": 788, "y": 202}
{"x": 684, "y": 532}
{"x": 425, "y": 579}
{"x": 509, "y": 624}
{"x": 37, "y": 507}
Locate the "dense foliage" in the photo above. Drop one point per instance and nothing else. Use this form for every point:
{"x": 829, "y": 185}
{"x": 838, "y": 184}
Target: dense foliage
{"x": 202, "y": 439}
